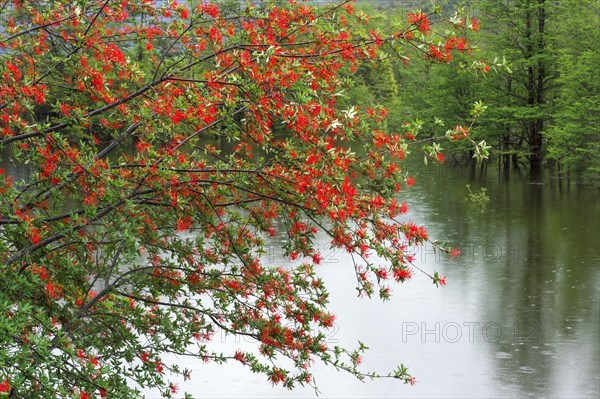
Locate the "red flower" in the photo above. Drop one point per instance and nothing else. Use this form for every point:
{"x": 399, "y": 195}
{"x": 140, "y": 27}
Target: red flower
{"x": 5, "y": 386}
{"x": 277, "y": 376}
{"x": 420, "y": 20}
{"x": 455, "y": 252}
{"x": 142, "y": 146}
{"x": 215, "y": 35}
{"x": 177, "y": 117}
{"x": 402, "y": 274}
{"x": 65, "y": 108}
{"x": 416, "y": 232}
{"x": 317, "y": 258}
{"x": 459, "y": 132}
{"x": 14, "y": 70}
{"x": 211, "y": 9}
{"x": 40, "y": 271}
{"x": 474, "y": 24}
{"x": 53, "y": 291}
{"x": 239, "y": 356}
{"x": 410, "y": 181}
{"x": 184, "y": 224}
{"x": 159, "y": 366}
{"x": 98, "y": 82}
{"x": 403, "y": 208}
{"x": 327, "y": 319}
{"x": 375, "y": 36}
{"x": 436, "y": 53}
{"x": 35, "y": 236}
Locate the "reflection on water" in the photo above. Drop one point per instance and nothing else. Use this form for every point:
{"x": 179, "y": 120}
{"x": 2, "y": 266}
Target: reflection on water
{"x": 519, "y": 317}
{"x": 530, "y": 263}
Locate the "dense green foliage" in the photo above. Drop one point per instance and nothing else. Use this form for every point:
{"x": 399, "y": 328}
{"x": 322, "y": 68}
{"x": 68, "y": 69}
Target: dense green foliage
{"x": 543, "y": 109}
{"x": 574, "y": 134}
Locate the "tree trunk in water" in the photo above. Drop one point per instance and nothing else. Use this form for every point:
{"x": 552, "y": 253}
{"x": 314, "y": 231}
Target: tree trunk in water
{"x": 536, "y": 75}
{"x": 536, "y": 138}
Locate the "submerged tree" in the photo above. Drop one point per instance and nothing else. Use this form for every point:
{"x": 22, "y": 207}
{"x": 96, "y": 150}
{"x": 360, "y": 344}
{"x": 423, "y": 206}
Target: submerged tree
{"x": 521, "y": 100}
{"x": 137, "y": 234}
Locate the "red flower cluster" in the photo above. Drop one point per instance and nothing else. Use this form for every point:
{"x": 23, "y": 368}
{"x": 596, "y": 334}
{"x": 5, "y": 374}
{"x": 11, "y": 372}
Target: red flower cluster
{"x": 5, "y": 386}
{"x": 420, "y": 20}
{"x": 53, "y": 290}
{"x": 459, "y": 132}
{"x": 402, "y": 274}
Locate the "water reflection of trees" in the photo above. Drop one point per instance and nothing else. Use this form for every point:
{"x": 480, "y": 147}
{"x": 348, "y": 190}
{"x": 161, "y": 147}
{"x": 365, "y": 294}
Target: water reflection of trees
{"x": 540, "y": 286}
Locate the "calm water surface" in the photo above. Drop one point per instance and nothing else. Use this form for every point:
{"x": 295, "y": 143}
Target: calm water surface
{"x": 518, "y": 318}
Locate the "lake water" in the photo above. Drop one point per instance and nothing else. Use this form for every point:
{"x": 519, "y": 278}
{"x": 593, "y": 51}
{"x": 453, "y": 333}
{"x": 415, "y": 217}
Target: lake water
{"x": 520, "y": 316}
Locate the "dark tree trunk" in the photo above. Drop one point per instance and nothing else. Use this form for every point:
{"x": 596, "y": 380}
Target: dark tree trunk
{"x": 536, "y": 75}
